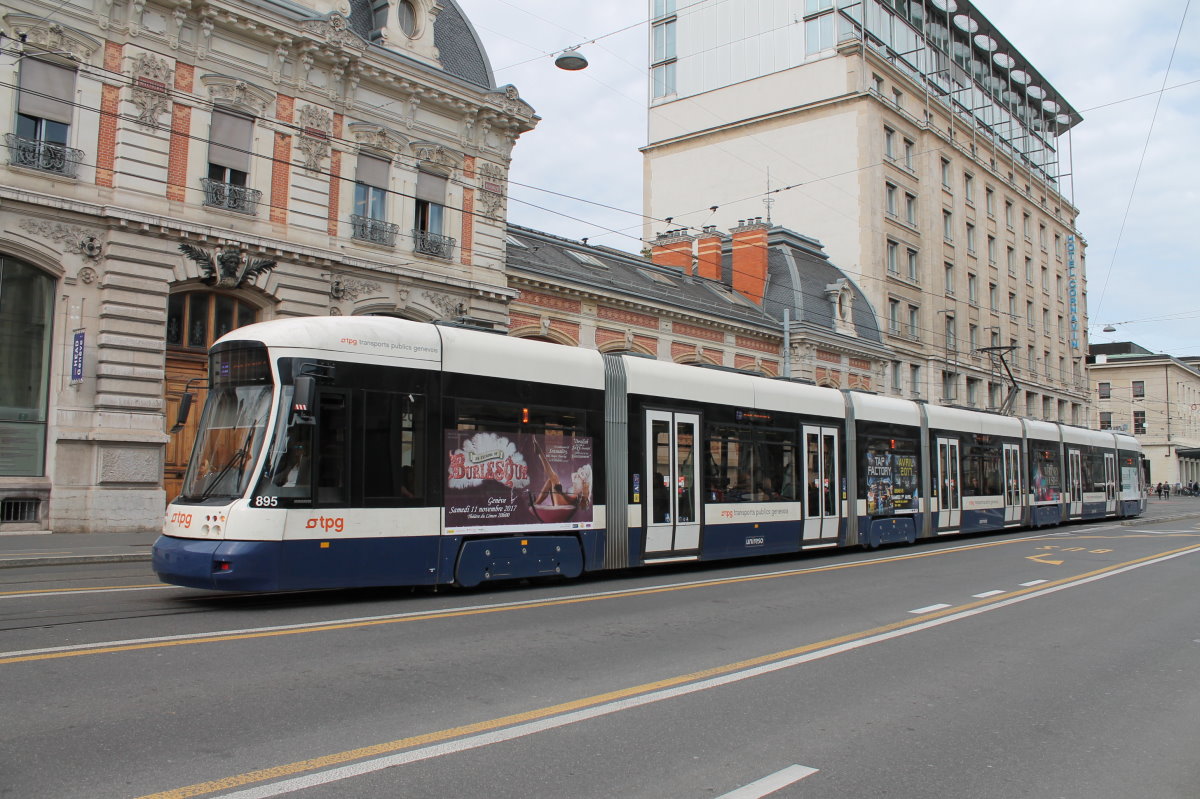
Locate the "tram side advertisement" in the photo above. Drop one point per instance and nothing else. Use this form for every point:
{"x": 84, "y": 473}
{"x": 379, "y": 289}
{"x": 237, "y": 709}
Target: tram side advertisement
{"x": 517, "y": 482}
{"x": 891, "y": 483}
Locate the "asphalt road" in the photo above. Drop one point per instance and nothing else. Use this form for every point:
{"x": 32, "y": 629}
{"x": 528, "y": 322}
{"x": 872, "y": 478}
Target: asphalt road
{"x": 1063, "y": 664}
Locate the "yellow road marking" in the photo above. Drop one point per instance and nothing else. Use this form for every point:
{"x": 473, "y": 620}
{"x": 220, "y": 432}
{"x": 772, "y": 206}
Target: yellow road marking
{"x": 452, "y": 614}
{"x": 36, "y": 591}
{"x": 390, "y": 747}
{"x": 1039, "y": 559}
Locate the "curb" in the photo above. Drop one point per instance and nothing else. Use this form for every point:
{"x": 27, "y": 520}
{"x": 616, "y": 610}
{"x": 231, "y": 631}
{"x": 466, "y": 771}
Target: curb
{"x": 74, "y": 560}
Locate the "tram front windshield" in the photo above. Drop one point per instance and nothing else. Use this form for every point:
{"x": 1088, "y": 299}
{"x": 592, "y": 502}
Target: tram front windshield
{"x": 232, "y": 426}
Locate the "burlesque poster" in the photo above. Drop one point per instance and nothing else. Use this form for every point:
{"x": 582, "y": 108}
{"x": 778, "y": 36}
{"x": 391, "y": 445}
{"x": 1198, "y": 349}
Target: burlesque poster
{"x": 517, "y": 482}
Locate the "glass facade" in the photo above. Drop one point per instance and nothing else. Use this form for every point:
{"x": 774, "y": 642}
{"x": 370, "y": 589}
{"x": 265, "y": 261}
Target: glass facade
{"x": 26, "y": 322}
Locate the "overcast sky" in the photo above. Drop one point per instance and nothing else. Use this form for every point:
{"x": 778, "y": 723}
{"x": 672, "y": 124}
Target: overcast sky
{"x": 579, "y": 173}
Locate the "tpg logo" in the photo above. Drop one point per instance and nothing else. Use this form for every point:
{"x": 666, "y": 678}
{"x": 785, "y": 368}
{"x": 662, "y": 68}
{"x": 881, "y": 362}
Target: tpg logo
{"x": 182, "y": 519}
{"x": 327, "y": 523}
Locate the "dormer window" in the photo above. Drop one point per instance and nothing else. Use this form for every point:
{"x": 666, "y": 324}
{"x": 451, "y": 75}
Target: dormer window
{"x": 407, "y": 17}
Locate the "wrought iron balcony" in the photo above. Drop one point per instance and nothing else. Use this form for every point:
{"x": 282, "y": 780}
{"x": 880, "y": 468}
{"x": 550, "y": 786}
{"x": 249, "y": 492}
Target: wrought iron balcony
{"x": 230, "y": 196}
{"x": 375, "y": 231}
{"x": 434, "y": 244}
{"x": 43, "y": 156}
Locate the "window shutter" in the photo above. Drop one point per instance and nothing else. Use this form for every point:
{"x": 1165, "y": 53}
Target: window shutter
{"x": 372, "y": 171}
{"x": 431, "y": 188}
{"x": 230, "y": 139}
{"x": 47, "y": 91}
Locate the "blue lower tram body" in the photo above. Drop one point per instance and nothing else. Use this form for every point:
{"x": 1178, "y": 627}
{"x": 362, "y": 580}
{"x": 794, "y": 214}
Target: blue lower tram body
{"x": 430, "y": 560}
{"x": 361, "y": 562}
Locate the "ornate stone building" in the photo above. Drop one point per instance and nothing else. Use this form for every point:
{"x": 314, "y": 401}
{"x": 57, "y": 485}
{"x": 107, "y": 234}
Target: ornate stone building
{"x": 312, "y": 157}
{"x": 714, "y": 299}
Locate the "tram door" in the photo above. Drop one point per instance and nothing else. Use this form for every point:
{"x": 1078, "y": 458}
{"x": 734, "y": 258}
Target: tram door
{"x": 1074, "y": 483}
{"x": 672, "y": 500}
{"x": 949, "y": 484}
{"x": 1110, "y": 483}
{"x": 1013, "y": 490}
{"x": 822, "y": 480}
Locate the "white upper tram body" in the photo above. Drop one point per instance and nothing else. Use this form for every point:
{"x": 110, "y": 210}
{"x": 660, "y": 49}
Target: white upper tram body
{"x": 342, "y": 451}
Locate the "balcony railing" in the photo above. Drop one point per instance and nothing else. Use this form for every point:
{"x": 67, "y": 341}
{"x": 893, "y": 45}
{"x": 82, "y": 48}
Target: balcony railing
{"x": 434, "y": 244}
{"x": 231, "y": 197}
{"x": 375, "y": 231}
{"x": 43, "y": 156}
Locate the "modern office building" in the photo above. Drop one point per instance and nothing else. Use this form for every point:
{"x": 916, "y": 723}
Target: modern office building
{"x": 1154, "y": 396}
{"x": 924, "y": 152}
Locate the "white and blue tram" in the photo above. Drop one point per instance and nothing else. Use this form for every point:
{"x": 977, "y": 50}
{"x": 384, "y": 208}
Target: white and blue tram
{"x": 366, "y": 451}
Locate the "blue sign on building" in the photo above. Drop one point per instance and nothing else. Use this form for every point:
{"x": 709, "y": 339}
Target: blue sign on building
{"x": 77, "y": 357}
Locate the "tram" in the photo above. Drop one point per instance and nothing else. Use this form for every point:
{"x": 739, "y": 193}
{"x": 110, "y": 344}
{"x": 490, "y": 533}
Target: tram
{"x": 371, "y": 451}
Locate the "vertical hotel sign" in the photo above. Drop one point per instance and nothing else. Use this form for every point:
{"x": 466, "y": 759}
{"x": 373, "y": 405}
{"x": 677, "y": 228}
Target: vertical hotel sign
{"x": 1073, "y": 291}
{"x": 77, "y": 347}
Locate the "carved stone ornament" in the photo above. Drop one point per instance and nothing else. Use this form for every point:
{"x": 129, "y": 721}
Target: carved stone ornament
{"x": 50, "y": 36}
{"x": 493, "y": 179}
{"x": 151, "y": 77}
{"x": 87, "y": 275}
{"x": 335, "y": 311}
{"x": 448, "y": 306}
{"x": 378, "y": 138}
{"x": 510, "y": 102}
{"x": 316, "y": 126}
{"x": 71, "y": 238}
{"x": 437, "y": 155}
{"x": 239, "y": 94}
{"x": 227, "y": 268}
{"x": 335, "y": 30}
{"x": 353, "y": 290}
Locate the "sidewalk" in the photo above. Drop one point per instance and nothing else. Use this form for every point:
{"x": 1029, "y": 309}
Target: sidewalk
{"x": 60, "y": 549}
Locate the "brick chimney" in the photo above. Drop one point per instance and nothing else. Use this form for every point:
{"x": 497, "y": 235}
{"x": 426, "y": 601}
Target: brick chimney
{"x": 674, "y": 249}
{"x": 708, "y": 253}
{"x": 750, "y": 258}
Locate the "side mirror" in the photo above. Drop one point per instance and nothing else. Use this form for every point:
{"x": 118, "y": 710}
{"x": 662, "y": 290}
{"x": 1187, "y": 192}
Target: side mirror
{"x": 185, "y": 405}
{"x": 304, "y": 389}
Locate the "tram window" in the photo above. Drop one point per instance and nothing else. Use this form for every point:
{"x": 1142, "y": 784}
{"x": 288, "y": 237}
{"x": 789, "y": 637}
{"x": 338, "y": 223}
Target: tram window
{"x": 389, "y": 446}
{"x": 1093, "y": 472}
{"x": 498, "y": 417}
{"x": 1044, "y": 478}
{"x": 333, "y": 424}
{"x": 744, "y": 464}
{"x": 729, "y": 464}
{"x": 982, "y": 469}
{"x": 288, "y": 472}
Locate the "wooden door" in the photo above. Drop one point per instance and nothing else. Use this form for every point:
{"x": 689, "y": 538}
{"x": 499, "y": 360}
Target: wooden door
{"x": 181, "y": 369}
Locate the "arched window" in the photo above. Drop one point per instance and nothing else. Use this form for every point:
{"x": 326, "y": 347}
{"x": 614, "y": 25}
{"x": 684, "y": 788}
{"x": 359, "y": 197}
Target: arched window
{"x": 196, "y": 319}
{"x": 26, "y": 322}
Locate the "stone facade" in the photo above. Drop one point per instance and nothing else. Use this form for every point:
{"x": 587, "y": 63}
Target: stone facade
{"x": 104, "y": 214}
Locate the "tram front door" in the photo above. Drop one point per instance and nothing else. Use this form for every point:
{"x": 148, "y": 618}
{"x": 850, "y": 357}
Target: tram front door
{"x": 672, "y": 503}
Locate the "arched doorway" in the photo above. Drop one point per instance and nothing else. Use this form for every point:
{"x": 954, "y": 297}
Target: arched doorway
{"x": 195, "y": 319}
{"x": 26, "y": 321}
